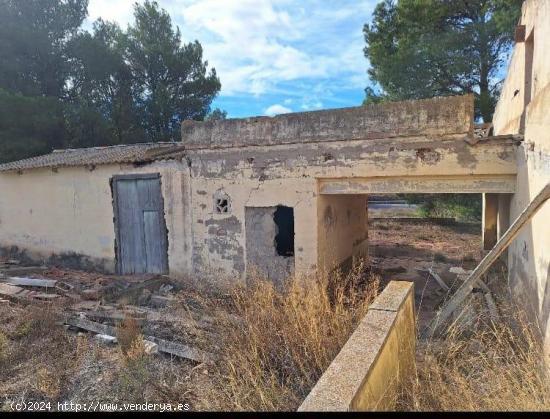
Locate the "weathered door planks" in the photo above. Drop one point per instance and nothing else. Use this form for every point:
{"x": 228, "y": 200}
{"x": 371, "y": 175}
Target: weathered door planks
{"x": 139, "y": 223}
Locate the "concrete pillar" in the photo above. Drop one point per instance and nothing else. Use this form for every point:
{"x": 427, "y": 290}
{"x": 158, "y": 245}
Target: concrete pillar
{"x": 490, "y": 220}
{"x": 503, "y": 220}
{"x": 503, "y": 214}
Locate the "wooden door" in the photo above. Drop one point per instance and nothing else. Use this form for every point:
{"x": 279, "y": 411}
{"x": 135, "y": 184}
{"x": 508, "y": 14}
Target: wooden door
{"x": 142, "y": 245}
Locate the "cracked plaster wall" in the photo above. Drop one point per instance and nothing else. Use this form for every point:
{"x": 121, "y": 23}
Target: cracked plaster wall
{"x": 529, "y": 254}
{"x": 260, "y": 162}
{"x": 256, "y": 175}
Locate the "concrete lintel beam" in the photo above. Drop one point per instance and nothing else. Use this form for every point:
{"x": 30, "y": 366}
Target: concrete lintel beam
{"x": 419, "y": 184}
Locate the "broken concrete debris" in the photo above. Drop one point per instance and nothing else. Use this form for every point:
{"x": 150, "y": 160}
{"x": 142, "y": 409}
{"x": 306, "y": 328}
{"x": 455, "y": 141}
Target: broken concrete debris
{"x": 108, "y": 339}
{"x": 150, "y": 347}
{"x": 99, "y": 303}
{"x": 31, "y": 282}
{"x": 172, "y": 348}
{"x": 24, "y": 296}
{"x": 8, "y": 290}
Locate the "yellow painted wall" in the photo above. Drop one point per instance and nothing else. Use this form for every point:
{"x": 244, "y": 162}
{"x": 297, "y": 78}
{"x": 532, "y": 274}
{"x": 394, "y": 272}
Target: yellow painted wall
{"x": 70, "y": 211}
{"x": 46, "y": 212}
{"x": 394, "y": 364}
{"x": 219, "y": 246}
{"x": 342, "y": 228}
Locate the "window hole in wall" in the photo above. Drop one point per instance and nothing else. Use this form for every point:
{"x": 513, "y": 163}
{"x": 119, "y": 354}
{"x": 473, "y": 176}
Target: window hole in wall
{"x": 222, "y": 206}
{"x": 284, "y": 239}
{"x": 222, "y": 203}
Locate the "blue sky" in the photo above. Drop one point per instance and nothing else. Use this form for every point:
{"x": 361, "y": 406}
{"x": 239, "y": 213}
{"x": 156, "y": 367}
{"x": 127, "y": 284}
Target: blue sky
{"x": 272, "y": 56}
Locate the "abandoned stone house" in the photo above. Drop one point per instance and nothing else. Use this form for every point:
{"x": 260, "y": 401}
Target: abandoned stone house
{"x": 288, "y": 194}
{"x": 278, "y": 194}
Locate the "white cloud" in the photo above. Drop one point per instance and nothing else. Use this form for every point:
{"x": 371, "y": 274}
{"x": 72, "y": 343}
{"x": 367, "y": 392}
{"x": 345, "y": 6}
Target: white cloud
{"x": 250, "y": 42}
{"x": 308, "y": 105}
{"x": 277, "y": 109}
{"x": 120, "y": 11}
{"x": 259, "y": 47}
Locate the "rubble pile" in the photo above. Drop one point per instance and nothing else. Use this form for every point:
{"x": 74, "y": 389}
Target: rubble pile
{"x": 96, "y": 303}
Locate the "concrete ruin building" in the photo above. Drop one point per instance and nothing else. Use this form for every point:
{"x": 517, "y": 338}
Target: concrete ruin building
{"x": 282, "y": 195}
{"x": 288, "y": 194}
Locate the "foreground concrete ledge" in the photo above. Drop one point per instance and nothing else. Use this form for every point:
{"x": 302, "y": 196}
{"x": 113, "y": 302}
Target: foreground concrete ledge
{"x": 392, "y": 297}
{"x": 434, "y": 117}
{"x": 368, "y": 370}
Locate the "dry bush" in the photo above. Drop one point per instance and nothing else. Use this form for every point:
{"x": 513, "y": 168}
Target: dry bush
{"x": 48, "y": 383}
{"x": 127, "y": 332}
{"x": 135, "y": 352}
{"x": 494, "y": 367}
{"x": 41, "y": 354}
{"x": 134, "y": 369}
{"x": 284, "y": 340}
{"x": 37, "y": 323}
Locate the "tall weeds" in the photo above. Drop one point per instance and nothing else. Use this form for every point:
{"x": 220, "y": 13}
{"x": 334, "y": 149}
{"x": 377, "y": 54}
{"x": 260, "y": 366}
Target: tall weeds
{"x": 284, "y": 340}
{"x": 495, "y": 367}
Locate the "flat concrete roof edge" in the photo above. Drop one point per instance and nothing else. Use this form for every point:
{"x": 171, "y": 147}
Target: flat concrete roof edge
{"x": 435, "y": 116}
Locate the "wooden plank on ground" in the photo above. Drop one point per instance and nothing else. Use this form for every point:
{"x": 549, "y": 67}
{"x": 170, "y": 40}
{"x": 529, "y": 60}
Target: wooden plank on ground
{"x": 438, "y": 279}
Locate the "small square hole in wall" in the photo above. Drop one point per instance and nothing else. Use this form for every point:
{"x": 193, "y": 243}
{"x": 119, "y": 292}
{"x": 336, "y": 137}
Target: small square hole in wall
{"x": 222, "y": 205}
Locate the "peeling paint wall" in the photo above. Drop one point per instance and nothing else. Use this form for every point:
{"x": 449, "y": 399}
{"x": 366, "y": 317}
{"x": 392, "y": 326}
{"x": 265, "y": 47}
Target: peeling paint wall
{"x": 67, "y": 215}
{"x": 529, "y": 255}
{"x": 261, "y": 252}
{"x": 240, "y": 159}
{"x": 219, "y": 240}
{"x": 430, "y": 117}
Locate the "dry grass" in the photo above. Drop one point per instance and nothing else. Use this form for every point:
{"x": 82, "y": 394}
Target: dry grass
{"x": 38, "y": 355}
{"x": 274, "y": 345}
{"x": 4, "y": 348}
{"x": 128, "y": 332}
{"x": 284, "y": 340}
{"x": 494, "y": 367}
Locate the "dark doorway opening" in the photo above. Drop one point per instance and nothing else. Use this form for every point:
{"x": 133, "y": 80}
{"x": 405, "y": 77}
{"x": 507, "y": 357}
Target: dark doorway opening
{"x": 284, "y": 240}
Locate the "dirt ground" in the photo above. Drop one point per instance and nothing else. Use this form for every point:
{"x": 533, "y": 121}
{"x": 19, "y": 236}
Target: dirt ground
{"x": 404, "y": 249}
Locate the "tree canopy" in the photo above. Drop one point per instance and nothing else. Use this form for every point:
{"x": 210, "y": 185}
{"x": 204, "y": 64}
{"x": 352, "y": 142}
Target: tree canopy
{"x": 171, "y": 81}
{"x": 425, "y": 48}
{"x": 61, "y": 85}
{"x": 33, "y": 40}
